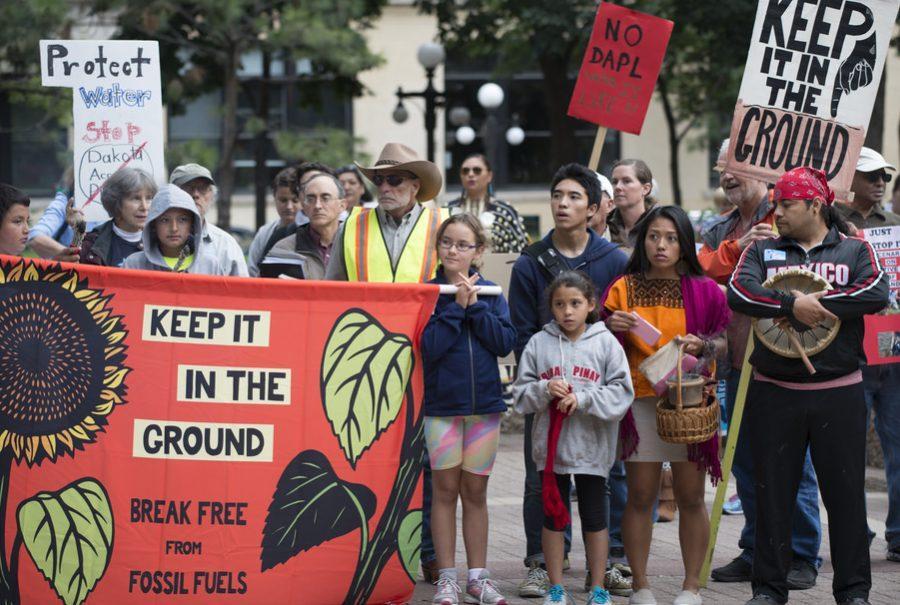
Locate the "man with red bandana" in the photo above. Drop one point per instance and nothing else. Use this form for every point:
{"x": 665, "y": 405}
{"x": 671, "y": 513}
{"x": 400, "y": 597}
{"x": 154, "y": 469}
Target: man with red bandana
{"x": 790, "y": 409}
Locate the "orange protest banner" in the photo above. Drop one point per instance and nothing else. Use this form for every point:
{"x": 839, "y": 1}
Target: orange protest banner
{"x": 193, "y": 439}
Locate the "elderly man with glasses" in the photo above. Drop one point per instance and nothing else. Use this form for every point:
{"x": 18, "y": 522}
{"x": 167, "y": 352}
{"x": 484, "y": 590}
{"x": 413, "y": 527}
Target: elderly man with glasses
{"x": 881, "y": 382}
{"x": 394, "y": 242}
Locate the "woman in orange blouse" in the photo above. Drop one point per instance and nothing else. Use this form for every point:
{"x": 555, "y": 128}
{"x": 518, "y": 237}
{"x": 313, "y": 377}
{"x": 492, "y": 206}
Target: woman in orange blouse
{"x": 664, "y": 284}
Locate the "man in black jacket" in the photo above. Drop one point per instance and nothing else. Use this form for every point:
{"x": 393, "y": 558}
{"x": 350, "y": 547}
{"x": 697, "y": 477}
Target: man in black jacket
{"x": 793, "y": 409}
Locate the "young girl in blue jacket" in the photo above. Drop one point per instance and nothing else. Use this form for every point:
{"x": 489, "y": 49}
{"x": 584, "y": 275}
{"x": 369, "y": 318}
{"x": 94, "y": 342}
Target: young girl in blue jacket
{"x": 463, "y": 403}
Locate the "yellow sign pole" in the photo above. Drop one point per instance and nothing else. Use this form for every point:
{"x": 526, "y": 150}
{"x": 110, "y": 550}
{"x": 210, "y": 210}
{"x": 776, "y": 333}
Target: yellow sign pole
{"x": 734, "y": 427}
{"x": 598, "y": 147}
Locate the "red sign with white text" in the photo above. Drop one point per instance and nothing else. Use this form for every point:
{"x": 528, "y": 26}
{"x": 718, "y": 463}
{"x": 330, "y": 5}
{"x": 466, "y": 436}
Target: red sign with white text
{"x": 620, "y": 67}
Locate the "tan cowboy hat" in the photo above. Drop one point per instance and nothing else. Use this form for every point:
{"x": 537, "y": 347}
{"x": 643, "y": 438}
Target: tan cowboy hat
{"x": 396, "y": 156}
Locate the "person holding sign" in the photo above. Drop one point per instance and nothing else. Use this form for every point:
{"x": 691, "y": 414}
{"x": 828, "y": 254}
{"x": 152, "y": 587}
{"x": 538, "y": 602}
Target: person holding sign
{"x": 723, "y": 242}
{"x": 664, "y": 284}
{"x": 791, "y": 409}
{"x": 197, "y": 181}
{"x": 882, "y": 382}
{"x": 126, "y": 198}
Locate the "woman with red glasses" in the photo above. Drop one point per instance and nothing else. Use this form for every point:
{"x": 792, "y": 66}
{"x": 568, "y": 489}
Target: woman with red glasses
{"x": 506, "y": 231}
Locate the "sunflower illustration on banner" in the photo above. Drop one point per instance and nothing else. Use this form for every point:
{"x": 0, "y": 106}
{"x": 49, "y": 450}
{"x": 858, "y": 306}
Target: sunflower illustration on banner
{"x": 62, "y": 373}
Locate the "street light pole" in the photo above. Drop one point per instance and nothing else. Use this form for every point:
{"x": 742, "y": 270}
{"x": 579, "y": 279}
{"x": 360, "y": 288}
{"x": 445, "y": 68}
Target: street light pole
{"x": 430, "y": 55}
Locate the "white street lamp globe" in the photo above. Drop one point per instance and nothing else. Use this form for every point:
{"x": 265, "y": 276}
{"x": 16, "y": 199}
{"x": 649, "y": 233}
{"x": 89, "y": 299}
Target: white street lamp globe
{"x": 515, "y": 136}
{"x": 430, "y": 55}
{"x": 400, "y": 113}
{"x": 459, "y": 116}
{"x": 465, "y": 135}
{"x": 490, "y": 96}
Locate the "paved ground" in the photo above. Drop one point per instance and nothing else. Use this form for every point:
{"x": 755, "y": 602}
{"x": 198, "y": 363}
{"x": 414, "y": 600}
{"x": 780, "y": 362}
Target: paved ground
{"x": 507, "y": 544}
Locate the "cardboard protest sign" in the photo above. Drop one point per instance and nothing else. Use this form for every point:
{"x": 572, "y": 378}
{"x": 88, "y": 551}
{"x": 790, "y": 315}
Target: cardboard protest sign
{"x": 117, "y": 108}
{"x": 810, "y": 81}
{"x": 882, "y": 339}
{"x": 196, "y": 439}
{"x": 620, "y": 67}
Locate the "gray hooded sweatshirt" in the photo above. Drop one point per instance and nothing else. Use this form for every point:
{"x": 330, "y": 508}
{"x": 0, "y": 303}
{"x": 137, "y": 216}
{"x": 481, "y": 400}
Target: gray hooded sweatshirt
{"x": 151, "y": 258}
{"x": 596, "y": 368}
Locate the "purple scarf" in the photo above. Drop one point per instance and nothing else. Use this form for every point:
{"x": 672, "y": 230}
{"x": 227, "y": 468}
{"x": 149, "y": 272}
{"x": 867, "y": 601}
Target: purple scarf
{"x": 706, "y": 315}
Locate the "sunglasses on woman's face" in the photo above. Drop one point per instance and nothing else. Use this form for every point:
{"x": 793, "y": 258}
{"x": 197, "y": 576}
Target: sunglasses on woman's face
{"x": 873, "y": 177}
{"x": 476, "y": 170}
{"x": 394, "y": 180}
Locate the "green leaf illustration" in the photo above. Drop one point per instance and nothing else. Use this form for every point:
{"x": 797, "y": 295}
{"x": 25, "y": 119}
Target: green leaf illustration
{"x": 69, "y": 535}
{"x": 312, "y": 505}
{"x": 365, "y": 370}
{"x": 409, "y": 542}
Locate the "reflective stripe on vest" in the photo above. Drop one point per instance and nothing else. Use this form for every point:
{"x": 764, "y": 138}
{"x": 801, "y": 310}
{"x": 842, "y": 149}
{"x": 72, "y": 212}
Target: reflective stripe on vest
{"x": 366, "y": 255}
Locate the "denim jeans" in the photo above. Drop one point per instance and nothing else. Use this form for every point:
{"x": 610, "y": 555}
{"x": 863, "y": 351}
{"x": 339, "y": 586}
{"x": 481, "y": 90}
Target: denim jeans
{"x": 532, "y": 506}
{"x": 882, "y": 392}
{"x": 618, "y": 494}
{"x": 806, "y": 534}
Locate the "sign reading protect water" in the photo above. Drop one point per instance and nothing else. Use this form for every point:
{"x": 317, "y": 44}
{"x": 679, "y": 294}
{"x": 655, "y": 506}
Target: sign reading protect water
{"x": 117, "y": 108}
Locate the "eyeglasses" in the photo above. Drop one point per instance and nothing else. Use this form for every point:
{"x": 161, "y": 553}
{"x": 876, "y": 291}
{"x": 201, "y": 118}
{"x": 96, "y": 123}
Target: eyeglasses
{"x": 394, "y": 180}
{"x": 476, "y": 170}
{"x": 873, "y": 177}
{"x": 200, "y": 188}
{"x": 447, "y": 244}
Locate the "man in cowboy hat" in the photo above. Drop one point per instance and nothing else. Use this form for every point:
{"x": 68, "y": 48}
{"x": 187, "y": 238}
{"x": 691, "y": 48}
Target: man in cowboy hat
{"x": 394, "y": 242}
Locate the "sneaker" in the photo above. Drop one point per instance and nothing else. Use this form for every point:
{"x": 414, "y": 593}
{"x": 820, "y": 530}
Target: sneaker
{"x": 447, "y": 592}
{"x": 624, "y": 569}
{"x": 483, "y": 591}
{"x": 536, "y": 583}
{"x": 739, "y": 570}
{"x": 733, "y": 506}
{"x": 599, "y": 597}
{"x": 616, "y": 582}
{"x": 893, "y": 554}
{"x": 557, "y": 595}
{"x": 686, "y": 597}
{"x": 644, "y": 596}
{"x": 802, "y": 575}
{"x": 763, "y": 599}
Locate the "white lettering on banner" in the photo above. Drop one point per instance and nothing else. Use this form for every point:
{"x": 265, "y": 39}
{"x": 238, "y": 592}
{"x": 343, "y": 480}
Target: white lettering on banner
{"x": 809, "y": 85}
{"x": 220, "y": 384}
{"x": 227, "y": 327}
{"x": 117, "y": 110}
{"x": 215, "y": 441}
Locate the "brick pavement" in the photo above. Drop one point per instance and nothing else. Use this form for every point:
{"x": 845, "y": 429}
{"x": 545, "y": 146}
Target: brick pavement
{"x": 507, "y": 545}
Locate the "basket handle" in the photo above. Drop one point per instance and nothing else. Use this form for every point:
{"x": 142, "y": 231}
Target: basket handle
{"x": 678, "y": 402}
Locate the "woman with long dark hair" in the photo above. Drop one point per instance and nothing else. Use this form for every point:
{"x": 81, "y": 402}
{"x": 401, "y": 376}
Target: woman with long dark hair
{"x": 664, "y": 284}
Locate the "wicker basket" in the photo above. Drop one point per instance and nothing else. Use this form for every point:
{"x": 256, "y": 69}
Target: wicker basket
{"x": 683, "y": 425}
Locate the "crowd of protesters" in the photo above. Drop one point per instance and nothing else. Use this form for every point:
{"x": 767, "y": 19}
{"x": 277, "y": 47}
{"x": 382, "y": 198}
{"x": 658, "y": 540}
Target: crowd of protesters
{"x": 615, "y": 254}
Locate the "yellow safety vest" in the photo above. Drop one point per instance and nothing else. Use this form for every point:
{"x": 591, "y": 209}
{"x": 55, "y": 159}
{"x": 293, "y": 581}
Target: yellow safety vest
{"x": 366, "y": 255}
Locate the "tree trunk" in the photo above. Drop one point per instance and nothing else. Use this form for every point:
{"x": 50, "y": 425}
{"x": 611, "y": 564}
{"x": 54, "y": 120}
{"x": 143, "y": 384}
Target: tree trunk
{"x": 557, "y": 91}
{"x": 875, "y": 134}
{"x": 674, "y": 142}
{"x": 229, "y": 139}
{"x": 260, "y": 171}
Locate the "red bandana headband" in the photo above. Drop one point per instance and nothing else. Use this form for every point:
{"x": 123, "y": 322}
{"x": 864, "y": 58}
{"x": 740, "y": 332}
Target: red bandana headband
{"x": 803, "y": 183}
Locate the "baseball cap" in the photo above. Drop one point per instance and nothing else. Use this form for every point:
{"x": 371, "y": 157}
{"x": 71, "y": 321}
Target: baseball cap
{"x": 605, "y": 186}
{"x": 188, "y": 172}
{"x": 870, "y": 161}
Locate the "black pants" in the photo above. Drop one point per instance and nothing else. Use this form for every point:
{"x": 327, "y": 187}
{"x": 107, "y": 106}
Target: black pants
{"x": 833, "y": 424}
{"x": 592, "y": 500}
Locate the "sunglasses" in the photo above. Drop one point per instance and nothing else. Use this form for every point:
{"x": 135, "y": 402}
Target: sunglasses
{"x": 873, "y": 177}
{"x": 476, "y": 170}
{"x": 394, "y": 180}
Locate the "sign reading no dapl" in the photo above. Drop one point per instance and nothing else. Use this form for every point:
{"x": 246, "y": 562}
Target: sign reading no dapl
{"x": 117, "y": 107}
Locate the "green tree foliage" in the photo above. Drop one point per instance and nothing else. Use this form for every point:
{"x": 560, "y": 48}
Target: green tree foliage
{"x": 699, "y": 79}
{"x": 202, "y": 42}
